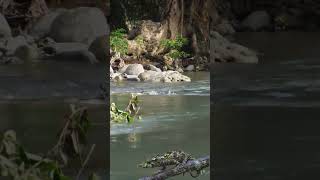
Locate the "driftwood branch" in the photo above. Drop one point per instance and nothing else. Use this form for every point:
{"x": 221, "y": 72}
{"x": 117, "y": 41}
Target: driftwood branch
{"x": 190, "y": 166}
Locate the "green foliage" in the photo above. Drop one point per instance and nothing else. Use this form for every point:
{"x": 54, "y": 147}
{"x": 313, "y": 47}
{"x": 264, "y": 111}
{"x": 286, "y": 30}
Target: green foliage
{"x": 128, "y": 115}
{"x": 176, "y": 54}
{"x": 175, "y": 46}
{"x": 118, "y": 41}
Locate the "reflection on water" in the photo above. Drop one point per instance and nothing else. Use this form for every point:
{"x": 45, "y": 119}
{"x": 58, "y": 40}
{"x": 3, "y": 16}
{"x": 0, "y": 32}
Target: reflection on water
{"x": 54, "y": 80}
{"x": 266, "y": 115}
{"x": 168, "y": 123}
{"x": 266, "y": 142}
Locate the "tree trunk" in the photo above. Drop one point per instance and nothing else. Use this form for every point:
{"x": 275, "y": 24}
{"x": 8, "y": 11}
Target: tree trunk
{"x": 190, "y": 19}
{"x": 173, "y": 18}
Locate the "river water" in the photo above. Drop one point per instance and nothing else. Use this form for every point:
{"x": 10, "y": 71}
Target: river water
{"x": 266, "y": 115}
{"x": 174, "y": 116}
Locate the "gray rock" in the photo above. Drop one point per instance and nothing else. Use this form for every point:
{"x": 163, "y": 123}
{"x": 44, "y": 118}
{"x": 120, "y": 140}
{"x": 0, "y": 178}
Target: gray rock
{"x": 11, "y": 44}
{"x": 256, "y": 20}
{"x": 225, "y": 28}
{"x": 27, "y": 53}
{"x": 190, "y": 68}
{"x": 5, "y": 30}
{"x": 117, "y": 77}
{"x": 132, "y": 77}
{"x": 123, "y": 69}
{"x": 134, "y": 69}
{"x": 154, "y": 68}
{"x": 174, "y": 76}
{"x": 83, "y": 24}
{"x": 42, "y": 26}
{"x": 100, "y": 48}
{"x": 225, "y": 51}
{"x": 179, "y": 69}
{"x": 166, "y": 76}
{"x": 111, "y": 71}
{"x": 147, "y": 75}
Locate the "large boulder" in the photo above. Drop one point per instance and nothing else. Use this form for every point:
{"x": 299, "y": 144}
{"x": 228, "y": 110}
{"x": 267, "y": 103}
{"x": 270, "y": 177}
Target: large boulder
{"x": 134, "y": 69}
{"x": 83, "y": 24}
{"x": 42, "y": 26}
{"x": 256, "y": 21}
{"x": 223, "y": 50}
{"x": 5, "y": 30}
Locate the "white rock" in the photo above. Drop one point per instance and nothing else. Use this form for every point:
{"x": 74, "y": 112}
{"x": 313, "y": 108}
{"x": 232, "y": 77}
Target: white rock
{"x": 190, "y": 67}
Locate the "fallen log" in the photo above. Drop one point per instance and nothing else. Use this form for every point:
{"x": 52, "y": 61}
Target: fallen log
{"x": 190, "y": 166}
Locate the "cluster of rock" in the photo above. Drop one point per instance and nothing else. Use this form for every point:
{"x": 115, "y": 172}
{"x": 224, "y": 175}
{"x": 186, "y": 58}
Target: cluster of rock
{"x": 144, "y": 44}
{"x": 275, "y": 15}
{"x": 147, "y": 73}
{"x": 61, "y": 34}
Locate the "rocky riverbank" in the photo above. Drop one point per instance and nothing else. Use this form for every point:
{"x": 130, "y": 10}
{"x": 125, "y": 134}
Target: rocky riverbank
{"x": 146, "y": 58}
{"x": 271, "y": 15}
{"x": 78, "y": 34}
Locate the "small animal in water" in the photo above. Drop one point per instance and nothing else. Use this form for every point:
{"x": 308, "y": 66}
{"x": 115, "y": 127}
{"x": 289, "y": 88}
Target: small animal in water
{"x": 170, "y": 158}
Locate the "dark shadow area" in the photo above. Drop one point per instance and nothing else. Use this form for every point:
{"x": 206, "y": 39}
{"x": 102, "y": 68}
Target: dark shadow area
{"x": 264, "y": 111}
{"x": 54, "y": 54}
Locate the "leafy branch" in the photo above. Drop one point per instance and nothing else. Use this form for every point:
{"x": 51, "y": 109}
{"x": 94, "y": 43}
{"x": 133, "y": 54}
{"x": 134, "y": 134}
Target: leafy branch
{"x": 17, "y": 163}
{"x": 129, "y": 114}
{"x": 175, "y": 47}
{"x": 118, "y": 41}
